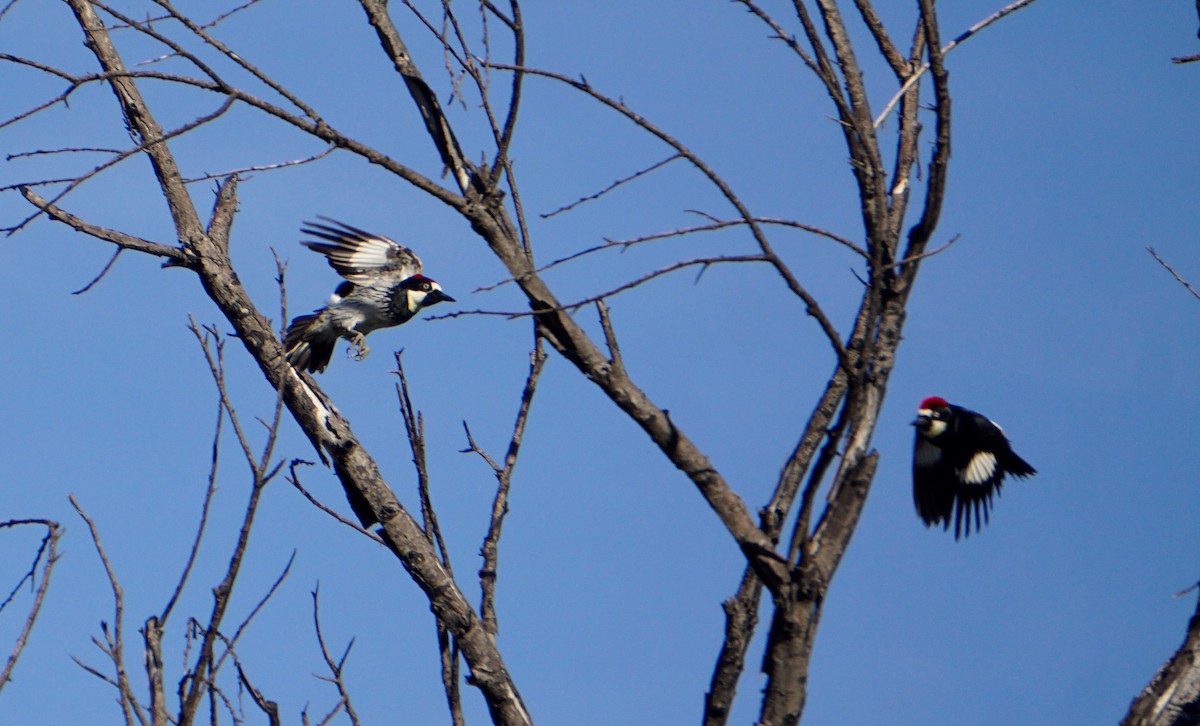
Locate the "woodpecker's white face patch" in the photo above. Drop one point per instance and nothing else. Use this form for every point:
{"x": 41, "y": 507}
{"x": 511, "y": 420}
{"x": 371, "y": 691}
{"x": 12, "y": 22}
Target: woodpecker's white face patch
{"x": 979, "y": 469}
{"x": 417, "y": 297}
{"x": 936, "y": 426}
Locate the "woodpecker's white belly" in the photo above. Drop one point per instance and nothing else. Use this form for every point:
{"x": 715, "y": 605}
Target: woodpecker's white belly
{"x": 351, "y": 315}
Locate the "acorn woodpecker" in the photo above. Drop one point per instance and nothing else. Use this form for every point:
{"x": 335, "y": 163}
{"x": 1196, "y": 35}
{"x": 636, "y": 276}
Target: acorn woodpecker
{"x": 959, "y": 461}
{"x": 384, "y": 287}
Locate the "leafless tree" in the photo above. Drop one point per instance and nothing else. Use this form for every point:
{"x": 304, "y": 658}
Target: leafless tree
{"x": 210, "y": 643}
{"x": 38, "y": 578}
{"x": 899, "y": 157}
{"x": 1172, "y": 697}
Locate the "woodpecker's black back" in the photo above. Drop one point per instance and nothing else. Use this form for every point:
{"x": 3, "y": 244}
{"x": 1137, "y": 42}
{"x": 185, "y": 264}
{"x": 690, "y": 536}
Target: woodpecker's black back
{"x": 959, "y": 463}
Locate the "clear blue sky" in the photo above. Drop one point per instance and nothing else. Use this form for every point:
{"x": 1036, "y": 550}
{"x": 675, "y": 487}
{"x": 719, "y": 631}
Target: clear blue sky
{"x": 1075, "y": 146}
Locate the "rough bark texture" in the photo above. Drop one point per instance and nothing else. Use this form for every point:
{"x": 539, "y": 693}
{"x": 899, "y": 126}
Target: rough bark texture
{"x": 1172, "y": 697}
{"x": 205, "y": 252}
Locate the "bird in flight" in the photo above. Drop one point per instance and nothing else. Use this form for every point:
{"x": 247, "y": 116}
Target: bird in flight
{"x": 959, "y": 462}
{"x": 384, "y": 287}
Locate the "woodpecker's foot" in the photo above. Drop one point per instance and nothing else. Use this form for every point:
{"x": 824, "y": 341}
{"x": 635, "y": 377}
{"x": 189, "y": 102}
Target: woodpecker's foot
{"x": 358, "y": 347}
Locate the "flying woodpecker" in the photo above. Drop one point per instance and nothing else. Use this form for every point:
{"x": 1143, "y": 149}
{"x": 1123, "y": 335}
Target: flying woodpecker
{"x": 384, "y": 287}
{"x": 959, "y": 462}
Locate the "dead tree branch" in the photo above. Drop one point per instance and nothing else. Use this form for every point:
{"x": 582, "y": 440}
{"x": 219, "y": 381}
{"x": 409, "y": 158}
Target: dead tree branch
{"x": 335, "y": 666}
{"x": 490, "y": 550}
{"x": 414, "y": 426}
{"x": 113, "y": 646}
{"x": 1173, "y": 695}
{"x": 205, "y": 251}
{"x": 1178, "y": 278}
{"x": 47, "y": 556}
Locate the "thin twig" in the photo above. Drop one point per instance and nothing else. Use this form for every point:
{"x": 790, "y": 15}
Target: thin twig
{"x": 210, "y": 491}
{"x": 294, "y": 480}
{"x": 913, "y": 258}
{"x": 812, "y": 306}
{"x": 336, "y": 667}
{"x": 201, "y": 678}
{"x": 108, "y": 266}
{"x": 270, "y": 708}
{"x": 262, "y": 167}
{"x": 120, "y": 239}
{"x": 262, "y": 602}
{"x": 1181, "y": 593}
{"x": 1174, "y": 273}
{"x": 908, "y": 83}
{"x": 491, "y": 543}
{"x": 611, "y": 187}
{"x": 610, "y": 336}
{"x": 414, "y": 427}
{"x": 47, "y": 553}
{"x": 714, "y": 224}
{"x": 705, "y": 262}
{"x": 115, "y": 647}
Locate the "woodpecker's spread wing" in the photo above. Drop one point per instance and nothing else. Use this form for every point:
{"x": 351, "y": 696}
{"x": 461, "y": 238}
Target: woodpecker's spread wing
{"x": 944, "y": 491}
{"x": 934, "y": 486}
{"x": 359, "y": 256}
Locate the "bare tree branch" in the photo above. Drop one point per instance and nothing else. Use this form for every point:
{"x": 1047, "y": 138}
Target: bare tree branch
{"x": 1172, "y": 697}
{"x": 120, "y": 239}
{"x": 714, "y": 225}
{"x": 268, "y": 707}
{"x": 242, "y": 171}
{"x": 113, "y": 646}
{"x": 47, "y": 555}
{"x": 703, "y": 262}
{"x": 107, "y": 266}
{"x": 491, "y": 543}
{"x": 336, "y": 667}
{"x": 619, "y": 182}
{"x": 415, "y": 428}
{"x": 914, "y": 77}
{"x": 200, "y": 679}
{"x": 832, "y": 454}
{"x": 1179, "y": 278}
{"x": 435, "y": 121}
{"x": 294, "y": 480}
{"x": 355, "y": 468}
{"x": 813, "y": 308}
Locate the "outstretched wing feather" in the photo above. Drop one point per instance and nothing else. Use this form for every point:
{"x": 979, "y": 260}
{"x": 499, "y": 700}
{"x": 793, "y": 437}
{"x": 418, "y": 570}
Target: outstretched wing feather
{"x": 361, "y": 256}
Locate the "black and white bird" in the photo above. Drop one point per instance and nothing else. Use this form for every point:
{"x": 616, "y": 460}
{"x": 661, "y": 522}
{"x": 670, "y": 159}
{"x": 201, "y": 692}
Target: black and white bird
{"x": 960, "y": 460}
{"x": 384, "y": 287}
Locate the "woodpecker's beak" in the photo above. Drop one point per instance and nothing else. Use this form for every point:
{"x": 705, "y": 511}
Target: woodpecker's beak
{"x": 434, "y": 297}
{"x": 921, "y": 422}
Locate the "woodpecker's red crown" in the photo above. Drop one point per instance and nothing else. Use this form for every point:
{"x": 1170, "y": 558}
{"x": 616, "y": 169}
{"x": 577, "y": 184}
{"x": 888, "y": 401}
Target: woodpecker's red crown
{"x": 932, "y": 402}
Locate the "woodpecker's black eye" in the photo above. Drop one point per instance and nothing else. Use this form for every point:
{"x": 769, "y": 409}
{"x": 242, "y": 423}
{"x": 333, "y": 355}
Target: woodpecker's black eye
{"x": 426, "y": 287}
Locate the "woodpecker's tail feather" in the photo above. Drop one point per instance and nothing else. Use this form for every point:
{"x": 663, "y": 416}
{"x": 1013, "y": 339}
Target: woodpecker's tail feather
{"x": 305, "y": 352}
{"x": 971, "y": 505}
{"x": 1018, "y": 466}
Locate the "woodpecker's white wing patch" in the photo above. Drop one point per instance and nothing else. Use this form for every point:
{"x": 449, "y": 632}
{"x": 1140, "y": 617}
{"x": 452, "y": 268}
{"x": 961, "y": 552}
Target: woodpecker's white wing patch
{"x": 365, "y": 253}
{"x": 980, "y": 469}
{"x": 360, "y": 256}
